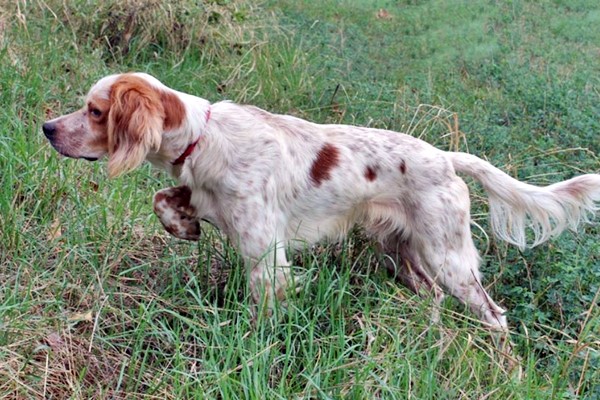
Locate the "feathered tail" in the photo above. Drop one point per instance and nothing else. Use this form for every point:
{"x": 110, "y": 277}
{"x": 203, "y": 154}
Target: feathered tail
{"x": 516, "y": 206}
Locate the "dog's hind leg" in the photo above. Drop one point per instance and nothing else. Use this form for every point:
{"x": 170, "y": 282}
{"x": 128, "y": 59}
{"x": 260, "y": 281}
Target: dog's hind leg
{"x": 441, "y": 233}
{"x": 404, "y": 262}
{"x": 456, "y": 270}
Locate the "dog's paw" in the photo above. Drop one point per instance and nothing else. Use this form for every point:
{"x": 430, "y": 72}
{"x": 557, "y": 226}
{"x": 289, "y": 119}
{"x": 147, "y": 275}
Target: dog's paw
{"x": 173, "y": 209}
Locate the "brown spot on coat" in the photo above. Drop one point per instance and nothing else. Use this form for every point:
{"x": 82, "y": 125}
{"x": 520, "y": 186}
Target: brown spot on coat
{"x": 402, "y": 166}
{"x": 159, "y": 198}
{"x": 182, "y": 196}
{"x": 327, "y": 159}
{"x": 174, "y": 110}
{"x": 371, "y": 173}
{"x": 176, "y": 198}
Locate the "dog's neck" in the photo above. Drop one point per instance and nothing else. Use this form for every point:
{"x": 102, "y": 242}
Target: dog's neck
{"x": 181, "y": 143}
{"x": 192, "y": 146}
{"x": 189, "y": 150}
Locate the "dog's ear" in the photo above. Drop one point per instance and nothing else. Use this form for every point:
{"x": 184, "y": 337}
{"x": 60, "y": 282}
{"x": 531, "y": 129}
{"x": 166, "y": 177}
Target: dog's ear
{"x": 135, "y": 123}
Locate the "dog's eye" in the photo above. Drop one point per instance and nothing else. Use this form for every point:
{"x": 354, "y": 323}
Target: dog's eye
{"x": 95, "y": 112}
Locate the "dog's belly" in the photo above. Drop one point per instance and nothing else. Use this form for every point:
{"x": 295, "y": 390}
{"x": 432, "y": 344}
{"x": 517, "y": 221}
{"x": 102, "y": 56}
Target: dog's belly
{"x": 302, "y": 233}
{"x": 318, "y": 220}
{"x": 321, "y": 224}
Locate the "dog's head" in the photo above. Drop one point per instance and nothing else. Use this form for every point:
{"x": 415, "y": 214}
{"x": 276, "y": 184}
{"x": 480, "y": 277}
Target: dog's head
{"x": 124, "y": 117}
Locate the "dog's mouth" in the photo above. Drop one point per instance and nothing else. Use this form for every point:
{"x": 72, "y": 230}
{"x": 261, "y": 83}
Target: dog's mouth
{"x": 64, "y": 153}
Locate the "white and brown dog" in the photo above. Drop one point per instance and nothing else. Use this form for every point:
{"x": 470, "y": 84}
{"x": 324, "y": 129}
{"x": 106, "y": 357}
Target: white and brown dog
{"x": 273, "y": 182}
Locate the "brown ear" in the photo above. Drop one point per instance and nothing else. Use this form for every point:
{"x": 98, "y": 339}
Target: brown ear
{"x": 135, "y": 123}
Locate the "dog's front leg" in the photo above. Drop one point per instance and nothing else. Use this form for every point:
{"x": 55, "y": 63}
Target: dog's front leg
{"x": 173, "y": 209}
{"x": 270, "y": 277}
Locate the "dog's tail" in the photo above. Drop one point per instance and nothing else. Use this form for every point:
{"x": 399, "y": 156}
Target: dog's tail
{"x": 515, "y": 206}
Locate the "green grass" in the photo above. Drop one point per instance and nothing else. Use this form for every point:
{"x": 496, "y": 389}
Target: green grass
{"x": 97, "y": 301}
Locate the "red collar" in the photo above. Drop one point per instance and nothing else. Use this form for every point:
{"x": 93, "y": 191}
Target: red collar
{"x": 190, "y": 149}
{"x": 186, "y": 153}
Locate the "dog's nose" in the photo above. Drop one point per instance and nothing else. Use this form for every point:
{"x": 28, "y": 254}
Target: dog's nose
{"x": 49, "y": 129}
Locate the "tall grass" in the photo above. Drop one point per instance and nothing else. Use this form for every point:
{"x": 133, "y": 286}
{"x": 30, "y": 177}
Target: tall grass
{"x": 97, "y": 301}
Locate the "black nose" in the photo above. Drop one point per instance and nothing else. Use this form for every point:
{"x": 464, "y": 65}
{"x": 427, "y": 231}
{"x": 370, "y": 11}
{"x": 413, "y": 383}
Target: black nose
{"x": 49, "y": 130}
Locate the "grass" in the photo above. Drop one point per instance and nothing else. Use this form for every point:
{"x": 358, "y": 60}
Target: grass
{"x": 97, "y": 301}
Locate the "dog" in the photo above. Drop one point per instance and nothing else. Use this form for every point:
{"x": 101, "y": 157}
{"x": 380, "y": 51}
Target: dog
{"x": 276, "y": 182}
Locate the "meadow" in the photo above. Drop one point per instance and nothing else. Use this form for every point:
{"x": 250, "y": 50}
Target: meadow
{"x": 98, "y": 302}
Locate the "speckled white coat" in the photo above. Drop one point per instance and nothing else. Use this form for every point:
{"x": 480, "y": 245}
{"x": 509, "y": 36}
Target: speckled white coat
{"x": 273, "y": 182}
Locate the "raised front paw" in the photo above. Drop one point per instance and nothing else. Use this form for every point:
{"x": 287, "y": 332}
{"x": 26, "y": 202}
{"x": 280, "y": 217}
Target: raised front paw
{"x": 173, "y": 209}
